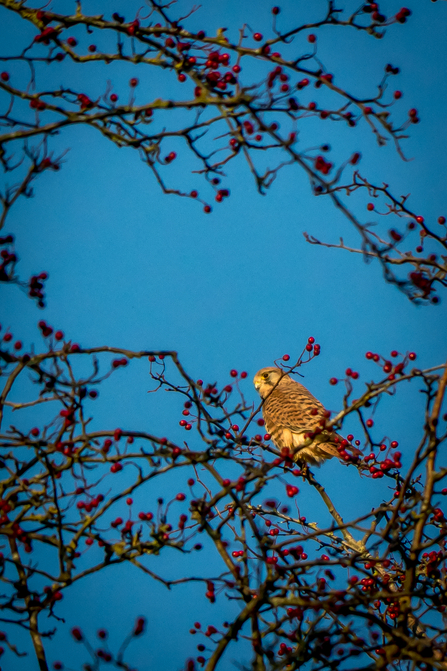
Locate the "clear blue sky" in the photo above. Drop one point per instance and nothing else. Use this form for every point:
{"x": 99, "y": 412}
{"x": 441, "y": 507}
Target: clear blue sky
{"x": 238, "y": 288}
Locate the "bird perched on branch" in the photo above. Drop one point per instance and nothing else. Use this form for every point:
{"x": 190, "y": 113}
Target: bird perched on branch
{"x": 296, "y": 420}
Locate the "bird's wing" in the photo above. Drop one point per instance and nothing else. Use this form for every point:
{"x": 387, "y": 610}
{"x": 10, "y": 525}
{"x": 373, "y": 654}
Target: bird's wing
{"x": 288, "y": 417}
{"x": 291, "y": 409}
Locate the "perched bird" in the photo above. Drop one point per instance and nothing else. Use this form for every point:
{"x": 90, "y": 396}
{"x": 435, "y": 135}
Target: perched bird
{"x": 295, "y": 420}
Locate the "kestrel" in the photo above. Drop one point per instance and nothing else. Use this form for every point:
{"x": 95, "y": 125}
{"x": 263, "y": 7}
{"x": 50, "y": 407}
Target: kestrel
{"x": 294, "y": 418}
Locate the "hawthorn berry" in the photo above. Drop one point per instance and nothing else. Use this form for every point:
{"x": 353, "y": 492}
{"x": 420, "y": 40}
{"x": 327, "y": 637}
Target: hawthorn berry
{"x": 77, "y": 634}
{"x": 139, "y": 626}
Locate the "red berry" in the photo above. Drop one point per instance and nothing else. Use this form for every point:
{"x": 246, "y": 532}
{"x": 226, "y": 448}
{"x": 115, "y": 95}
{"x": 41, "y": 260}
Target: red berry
{"x": 311, "y": 38}
{"x": 369, "y": 423}
{"x": 77, "y": 634}
{"x": 370, "y": 206}
{"x": 133, "y": 82}
{"x": 4, "y": 76}
{"x": 333, "y": 380}
{"x": 275, "y": 10}
{"x": 441, "y": 221}
{"x": 257, "y": 37}
{"x": 59, "y": 335}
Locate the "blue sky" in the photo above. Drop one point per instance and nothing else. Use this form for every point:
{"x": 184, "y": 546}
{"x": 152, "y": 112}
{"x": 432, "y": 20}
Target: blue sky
{"x": 238, "y": 288}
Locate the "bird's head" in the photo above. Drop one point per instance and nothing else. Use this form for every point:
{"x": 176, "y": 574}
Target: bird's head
{"x": 267, "y": 378}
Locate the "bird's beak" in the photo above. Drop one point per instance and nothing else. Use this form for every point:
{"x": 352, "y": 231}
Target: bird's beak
{"x": 257, "y": 385}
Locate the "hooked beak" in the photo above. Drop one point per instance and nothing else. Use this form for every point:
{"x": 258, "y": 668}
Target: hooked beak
{"x": 257, "y": 385}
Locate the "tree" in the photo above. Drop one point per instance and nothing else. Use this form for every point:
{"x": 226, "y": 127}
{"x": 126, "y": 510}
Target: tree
{"x": 296, "y": 592}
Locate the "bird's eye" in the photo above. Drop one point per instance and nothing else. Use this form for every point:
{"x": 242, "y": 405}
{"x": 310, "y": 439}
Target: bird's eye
{"x": 265, "y": 375}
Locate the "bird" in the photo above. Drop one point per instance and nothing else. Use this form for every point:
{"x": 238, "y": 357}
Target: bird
{"x": 295, "y": 420}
